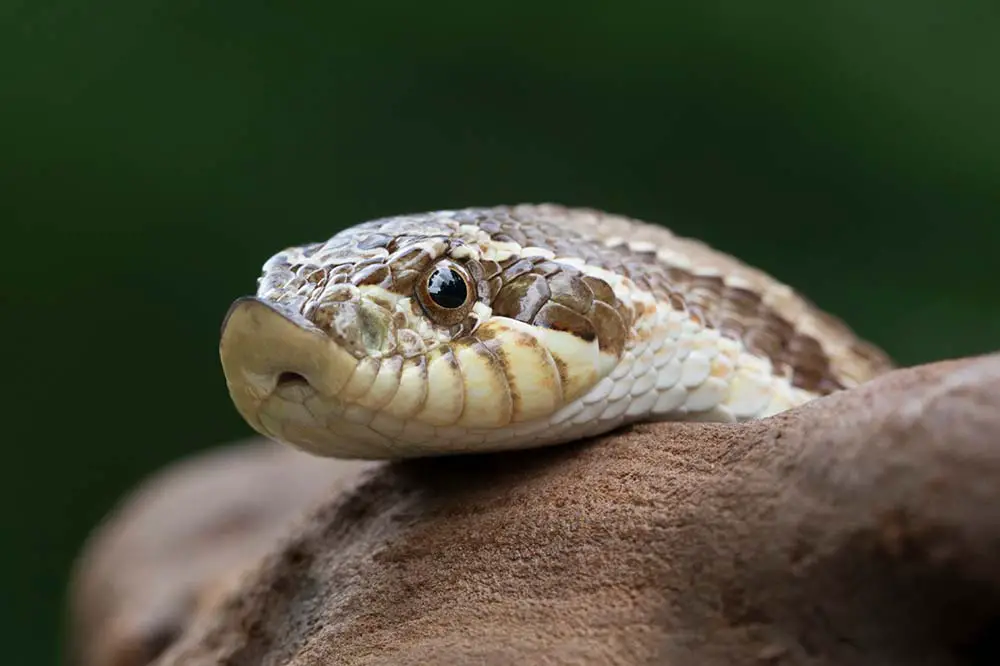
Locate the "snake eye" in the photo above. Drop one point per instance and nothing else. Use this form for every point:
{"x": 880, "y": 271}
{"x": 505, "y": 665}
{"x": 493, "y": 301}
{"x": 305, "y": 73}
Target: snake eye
{"x": 446, "y": 292}
{"x": 447, "y": 288}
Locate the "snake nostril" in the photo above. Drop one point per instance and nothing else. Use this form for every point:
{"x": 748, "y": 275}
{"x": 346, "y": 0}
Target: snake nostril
{"x": 291, "y": 379}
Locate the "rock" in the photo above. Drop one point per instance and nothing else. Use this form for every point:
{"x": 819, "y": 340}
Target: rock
{"x": 171, "y": 549}
{"x": 863, "y": 528}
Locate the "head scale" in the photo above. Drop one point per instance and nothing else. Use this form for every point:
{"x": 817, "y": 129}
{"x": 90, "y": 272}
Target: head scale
{"x": 422, "y": 334}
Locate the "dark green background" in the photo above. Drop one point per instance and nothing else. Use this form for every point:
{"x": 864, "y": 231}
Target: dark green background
{"x": 154, "y": 153}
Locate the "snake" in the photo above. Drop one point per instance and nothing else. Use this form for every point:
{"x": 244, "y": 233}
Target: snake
{"x": 488, "y": 329}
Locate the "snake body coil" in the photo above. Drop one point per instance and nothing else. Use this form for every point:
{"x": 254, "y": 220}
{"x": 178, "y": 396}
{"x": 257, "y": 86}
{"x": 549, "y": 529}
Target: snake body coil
{"x": 514, "y": 327}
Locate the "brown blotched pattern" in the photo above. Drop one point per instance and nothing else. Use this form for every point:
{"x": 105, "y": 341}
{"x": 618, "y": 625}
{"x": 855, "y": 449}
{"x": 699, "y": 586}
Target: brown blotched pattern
{"x": 814, "y": 350}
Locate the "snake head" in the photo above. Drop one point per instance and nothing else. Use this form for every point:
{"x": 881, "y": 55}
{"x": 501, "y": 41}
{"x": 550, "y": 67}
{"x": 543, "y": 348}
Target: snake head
{"x": 420, "y": 335}
{"x": 486, "y": 329}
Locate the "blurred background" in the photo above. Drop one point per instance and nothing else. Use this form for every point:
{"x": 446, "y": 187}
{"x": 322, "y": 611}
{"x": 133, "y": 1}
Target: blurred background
{"x": 154, "y": 154}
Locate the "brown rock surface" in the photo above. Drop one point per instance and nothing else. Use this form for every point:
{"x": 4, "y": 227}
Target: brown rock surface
{"x": 163, "y": 557}
{"x": 861, "y": 529}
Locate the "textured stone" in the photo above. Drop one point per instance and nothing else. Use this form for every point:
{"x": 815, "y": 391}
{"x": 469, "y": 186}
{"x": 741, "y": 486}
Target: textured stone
{"x": 162, "y": 558}
{"x": 863, "y": 528}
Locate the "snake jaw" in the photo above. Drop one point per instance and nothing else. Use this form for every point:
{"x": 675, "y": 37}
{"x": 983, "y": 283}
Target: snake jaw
{"x": 300, "y": 384}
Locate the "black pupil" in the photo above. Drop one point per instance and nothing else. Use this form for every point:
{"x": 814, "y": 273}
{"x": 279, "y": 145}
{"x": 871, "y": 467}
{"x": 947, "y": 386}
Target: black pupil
{"x": 447, "y": 288}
